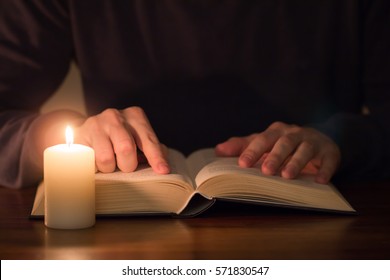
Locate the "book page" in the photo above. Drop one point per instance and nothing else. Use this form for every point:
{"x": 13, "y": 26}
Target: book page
{"x": 145, "y": 173}
{"x": 199, "y": 159}
{"x": 229, "y": 165}
{"x": 178, "y": 165}
{"x": 220, "y": 166}
{"x": 145, "y": 191}
{"x": 224, "y": 178}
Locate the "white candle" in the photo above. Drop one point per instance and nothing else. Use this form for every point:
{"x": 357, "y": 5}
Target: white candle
{"x": 69, "y": 178}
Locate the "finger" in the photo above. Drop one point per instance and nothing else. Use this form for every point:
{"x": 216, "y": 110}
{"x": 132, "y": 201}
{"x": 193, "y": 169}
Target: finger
{"x": 141, "y": 156}
{"x": 125, "y": 149}
{"x": 282, "y": 149}
{"x": 258, "y": 146}
{"x": 104, "y": 153}
{"x": 302, "y": 156}
{"x": 146, "y": 139}
{"x": 110, "y": 125}
{"x": 156, "y": 157}
{"x": 164, "y": 150}
{"x": 232, "y": 147}
{"x": 328, "y": 167}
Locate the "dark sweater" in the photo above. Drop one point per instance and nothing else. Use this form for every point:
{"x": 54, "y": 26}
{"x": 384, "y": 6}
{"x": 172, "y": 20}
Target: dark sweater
{"x": 204, "y": 70}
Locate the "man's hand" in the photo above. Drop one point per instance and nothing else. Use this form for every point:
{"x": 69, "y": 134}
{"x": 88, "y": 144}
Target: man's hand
{"x": 285, "y": 148}
{"x": 115, "y": 135}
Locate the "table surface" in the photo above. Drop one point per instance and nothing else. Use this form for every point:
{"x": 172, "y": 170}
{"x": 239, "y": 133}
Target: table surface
{"x": 226, "y": 231}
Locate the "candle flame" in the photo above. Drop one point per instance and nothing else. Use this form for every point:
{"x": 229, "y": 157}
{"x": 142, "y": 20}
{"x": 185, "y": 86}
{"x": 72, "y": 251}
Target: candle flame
{"x": 69, "y": 135}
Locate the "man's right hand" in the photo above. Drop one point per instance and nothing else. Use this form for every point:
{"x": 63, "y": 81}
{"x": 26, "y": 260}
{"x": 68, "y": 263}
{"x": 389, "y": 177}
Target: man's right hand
{"x": 115, "y": 135}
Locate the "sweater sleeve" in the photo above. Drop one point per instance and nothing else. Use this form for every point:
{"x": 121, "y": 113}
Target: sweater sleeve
{"x": 364, "y": 139}
{"x": 35, "y": 51}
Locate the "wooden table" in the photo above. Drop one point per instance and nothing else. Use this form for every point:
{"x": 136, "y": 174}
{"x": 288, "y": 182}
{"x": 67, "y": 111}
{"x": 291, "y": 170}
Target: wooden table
{"x": 227, "y": 231}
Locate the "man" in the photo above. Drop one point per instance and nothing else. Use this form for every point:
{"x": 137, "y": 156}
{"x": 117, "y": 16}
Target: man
{"x": 288, "y": 79}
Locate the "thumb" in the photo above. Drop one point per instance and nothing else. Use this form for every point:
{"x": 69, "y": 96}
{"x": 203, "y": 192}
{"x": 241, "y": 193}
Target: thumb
{"x": 232, "y": 147}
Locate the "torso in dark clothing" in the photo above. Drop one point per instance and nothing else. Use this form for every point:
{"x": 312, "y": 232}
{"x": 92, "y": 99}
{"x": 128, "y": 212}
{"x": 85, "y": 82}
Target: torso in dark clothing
{"x": 208, "y": 70}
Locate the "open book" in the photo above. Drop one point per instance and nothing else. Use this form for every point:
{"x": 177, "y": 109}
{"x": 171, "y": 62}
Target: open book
{"x": 196, "y": 182}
